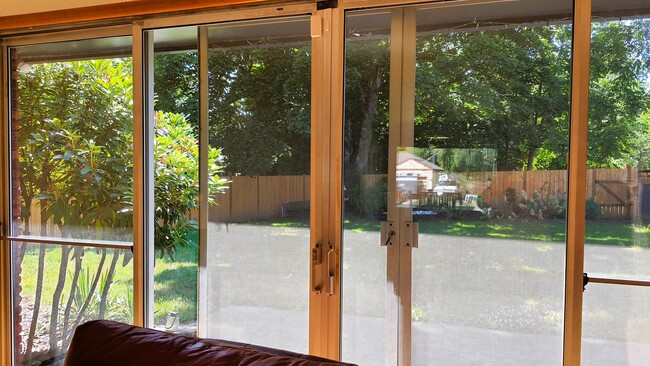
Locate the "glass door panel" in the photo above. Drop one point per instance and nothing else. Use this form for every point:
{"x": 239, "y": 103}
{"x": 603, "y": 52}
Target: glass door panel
{"x": 71, "y": 192}
{"x": 618, "y": 239}
{"x": 617, "y": 242}
{"x": 487, "y": 183}
{"x": 364, "y": 262}
{"x": 258, "y": 230}
{"x": 176, "y": 178}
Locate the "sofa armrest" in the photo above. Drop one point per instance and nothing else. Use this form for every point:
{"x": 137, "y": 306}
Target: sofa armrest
{"x": 109, "y": 343}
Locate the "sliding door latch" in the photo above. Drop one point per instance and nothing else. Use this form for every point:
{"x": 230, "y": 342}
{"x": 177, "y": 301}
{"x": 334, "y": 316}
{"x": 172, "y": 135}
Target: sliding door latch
{"x": 316, "y": 261}
{"x": 388, "y": 231}
{"x": 408, "y": 231}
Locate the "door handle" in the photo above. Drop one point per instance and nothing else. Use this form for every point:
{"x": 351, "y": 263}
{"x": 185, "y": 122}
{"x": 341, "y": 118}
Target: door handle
{"x": 316, "y": 260}
{"x": 331, "y": 268}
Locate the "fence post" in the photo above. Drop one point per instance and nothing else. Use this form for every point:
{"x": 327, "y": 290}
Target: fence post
{"x": 636, "y": 194}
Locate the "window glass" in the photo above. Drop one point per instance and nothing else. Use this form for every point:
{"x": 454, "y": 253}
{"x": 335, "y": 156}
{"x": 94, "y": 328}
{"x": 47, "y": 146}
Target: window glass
{"x": 260, "y": 143}
{"x": 72, "y": 191}
{"x": 617, "y": 241}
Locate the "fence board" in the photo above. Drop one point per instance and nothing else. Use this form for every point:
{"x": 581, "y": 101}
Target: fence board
{"x": 244, "y": 199}
{"x": 261, "y": 198}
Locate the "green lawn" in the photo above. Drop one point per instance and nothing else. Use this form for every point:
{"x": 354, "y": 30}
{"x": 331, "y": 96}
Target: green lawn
{"x": 175, "y": 287}
{"x": 118, "y": 302}
{"x": 597, "y": 232}
{"x": 175, "y": 282}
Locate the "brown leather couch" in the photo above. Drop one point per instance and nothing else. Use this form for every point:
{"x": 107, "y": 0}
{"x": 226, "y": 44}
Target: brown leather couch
{"x": 108, "y": 343}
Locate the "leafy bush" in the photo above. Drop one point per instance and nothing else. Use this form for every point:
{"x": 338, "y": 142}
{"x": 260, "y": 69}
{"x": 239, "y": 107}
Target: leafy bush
{"x": 539, "y": 206}
{"x": 594, "y": 211}
{"x": 176, "y": 181}
{"x": 367, "y": 200}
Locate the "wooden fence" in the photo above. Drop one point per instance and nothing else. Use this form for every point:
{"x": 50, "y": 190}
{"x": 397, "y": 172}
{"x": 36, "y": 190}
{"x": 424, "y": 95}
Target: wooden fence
{"x": 258, "y": 198}
{"x": 261, "y": 198}
{"x": 618, "y": 191}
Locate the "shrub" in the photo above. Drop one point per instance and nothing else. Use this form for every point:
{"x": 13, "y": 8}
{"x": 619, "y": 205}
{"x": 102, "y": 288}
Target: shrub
{"x": 518, "y": 205}
{"x": 374, "y": 200}
{"x": 366, "y": 200}
{"x": 593, "y": 211}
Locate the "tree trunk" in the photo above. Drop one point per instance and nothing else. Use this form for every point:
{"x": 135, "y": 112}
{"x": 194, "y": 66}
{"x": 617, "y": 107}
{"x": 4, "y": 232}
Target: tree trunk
{"x": 531, "y": 158}
{"x": 93, "y": 287}
{"x": 107, "y": 285}
{"x": 369, "y": 119}
{"x": 37, "y": 303}
{"x": 56, "y": 297}
{"x": 78, "y": 256}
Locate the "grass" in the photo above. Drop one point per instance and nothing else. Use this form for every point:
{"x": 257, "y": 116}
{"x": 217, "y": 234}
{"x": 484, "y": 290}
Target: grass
{"x": 118, "y": 300}
{"x": 597, "y": 232}
{"x": 175, "y": 284}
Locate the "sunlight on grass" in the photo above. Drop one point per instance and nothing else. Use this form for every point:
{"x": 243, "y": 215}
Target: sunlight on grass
{"x": 175, "y": 285}
{"x": 635, "y": 249}
{"x": 499, "y": 235}
{"x": 497, "y": 227}
{"x": 642, "y": 229}
{"x": 600, "y": 315}
{"x": 286, "y": 232}
{"x": 531, "y": 269}
{"x": 532, "y": 303}
{"x": 495, "y": 266}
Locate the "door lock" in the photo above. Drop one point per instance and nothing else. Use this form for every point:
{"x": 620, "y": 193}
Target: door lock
{"x": 408, "y": 233}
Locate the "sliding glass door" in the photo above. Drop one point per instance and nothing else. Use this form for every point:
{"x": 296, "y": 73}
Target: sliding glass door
{"x": 491, "y": 118}
{"x": 456, "y": 138}
{"x": 258, "y": 232}
{"x": 616, "y": 323}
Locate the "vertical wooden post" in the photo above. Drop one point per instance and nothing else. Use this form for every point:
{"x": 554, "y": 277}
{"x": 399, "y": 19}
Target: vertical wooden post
{"x": 636, "y": 192}
{"x": 204, "y": 206}
{"x": 139, "y": 209}
{"x": 5, "y": 257}
{"x": 576, "y": 199}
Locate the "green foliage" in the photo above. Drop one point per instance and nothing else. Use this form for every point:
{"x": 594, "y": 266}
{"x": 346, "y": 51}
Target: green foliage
{"x": 367, "y": 200}
{"x": 618, "y": 92}
{"x": 260, "y": 114}
{"x": 539, "y": 206}
{"x": 374, "y": 199}
{"x": 501, "y": 89}
{"x": 176, "y": 84}
{"x": 176, "y": 179}
{"x": 75, "y": 146}
{"x": 467, "y": 160}
{"x": 593, "y": 209}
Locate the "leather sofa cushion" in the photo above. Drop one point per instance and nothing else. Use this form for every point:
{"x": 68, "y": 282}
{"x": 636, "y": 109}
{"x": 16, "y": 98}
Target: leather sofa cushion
{"x": 108, "y": 343}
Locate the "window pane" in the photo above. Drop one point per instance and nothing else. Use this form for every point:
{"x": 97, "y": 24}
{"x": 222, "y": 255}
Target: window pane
{"x": 617, "y": 242}
{"x": 618, "y": 175}
{"x": 367, "y": 66}
{"x": 72, "y": 140}
{"x": 56, "y": 288}
{"x": 258, "y": 230}
{"x": 71, "y": 181}
{"x": 176, "y": 179}
{"x": 489, "y": 183}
